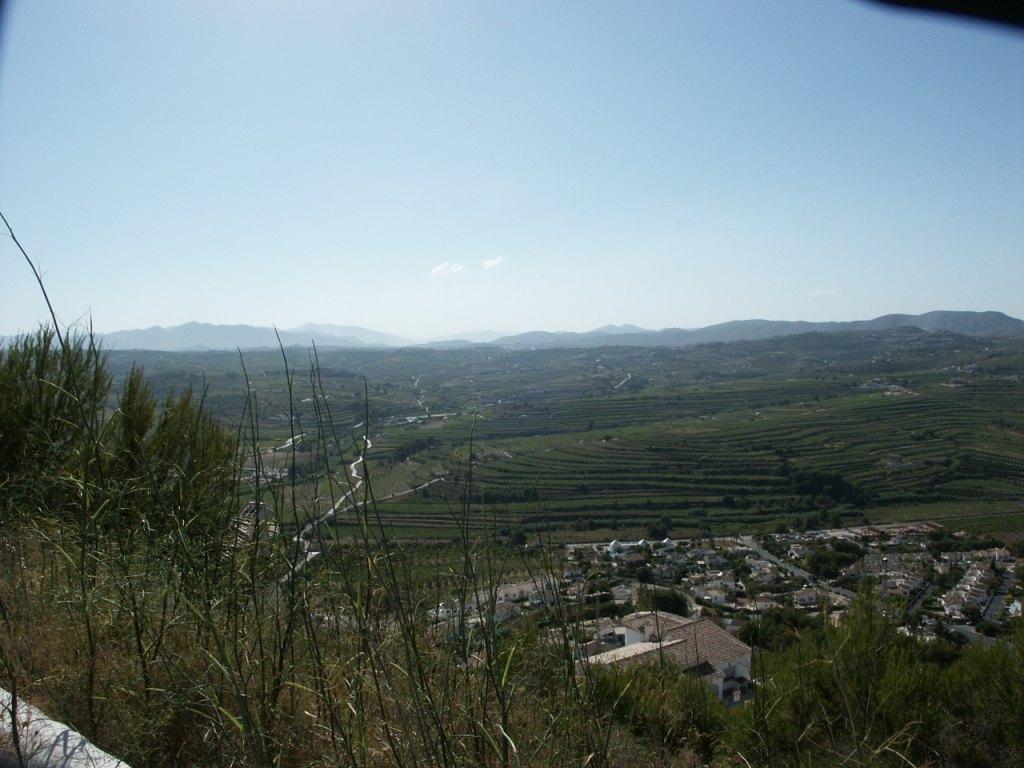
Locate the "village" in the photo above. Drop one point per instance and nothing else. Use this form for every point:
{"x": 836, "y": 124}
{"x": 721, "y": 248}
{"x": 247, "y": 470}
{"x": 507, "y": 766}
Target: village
{"x": 693, "y": 601}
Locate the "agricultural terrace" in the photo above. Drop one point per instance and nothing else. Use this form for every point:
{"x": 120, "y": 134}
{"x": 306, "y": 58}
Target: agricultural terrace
{"x": 741, "y": 437}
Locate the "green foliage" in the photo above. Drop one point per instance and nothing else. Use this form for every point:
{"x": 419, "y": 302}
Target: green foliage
{"x": 670, "y": 600}
{"x": 867, "y": 692}
{"x": 191, "y": 459}
{"x": 67, "y": 457}
{"x": 558, "y": 450}
{"x": 827, "y": 560}
{"x": 52, "y": 395}
{"x": 831, "y": 485}
{"x": 118, "y": 617}
{"x": 660, "y": 529}
{"x": 778, "y": 628}
{"x": 662, "y": 704}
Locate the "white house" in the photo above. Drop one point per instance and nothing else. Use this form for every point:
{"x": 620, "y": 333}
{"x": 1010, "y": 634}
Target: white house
{"x": 535, "y": 591}
{"x": 616, "y": 547}
{"x": 444, "y": 611}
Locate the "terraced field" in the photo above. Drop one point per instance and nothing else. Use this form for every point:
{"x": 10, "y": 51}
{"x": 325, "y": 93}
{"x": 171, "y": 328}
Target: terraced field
{"x": 617, "y": 441}
{"x": 728, "y": 470}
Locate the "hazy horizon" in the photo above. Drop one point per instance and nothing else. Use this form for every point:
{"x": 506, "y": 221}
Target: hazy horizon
{"x": 465, "y": 332}
{"x": 429, "y": 170}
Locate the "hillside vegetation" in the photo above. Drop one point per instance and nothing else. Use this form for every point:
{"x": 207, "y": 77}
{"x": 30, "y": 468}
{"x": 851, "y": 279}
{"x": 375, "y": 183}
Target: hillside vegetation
{"x": 595, "y": 444}
{"x": 133, "y": 608}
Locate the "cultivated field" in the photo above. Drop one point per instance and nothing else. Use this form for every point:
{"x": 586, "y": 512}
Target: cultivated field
{"x": 620, "y": 441}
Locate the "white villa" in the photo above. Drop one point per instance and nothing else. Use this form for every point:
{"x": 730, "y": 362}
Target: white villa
{"x": 617, "y": 547}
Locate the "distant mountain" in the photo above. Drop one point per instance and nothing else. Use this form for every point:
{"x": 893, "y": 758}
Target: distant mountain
{"x": 619, "y": 329}
{"x": 477, "y": 337}
{"x": 990, "y": 324}
{"x": 207, "y": 336}
{"x": 985, "y": 324}
{"x": 367, "y": 336}
{"x": 449, "y": 344}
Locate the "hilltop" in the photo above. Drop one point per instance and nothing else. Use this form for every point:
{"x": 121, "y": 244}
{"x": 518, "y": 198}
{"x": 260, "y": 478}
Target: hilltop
{"x": 984, "y": 324}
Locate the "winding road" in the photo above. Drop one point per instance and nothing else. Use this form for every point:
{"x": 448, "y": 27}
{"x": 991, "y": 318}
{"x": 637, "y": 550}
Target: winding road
{"x": 304, "y": 538}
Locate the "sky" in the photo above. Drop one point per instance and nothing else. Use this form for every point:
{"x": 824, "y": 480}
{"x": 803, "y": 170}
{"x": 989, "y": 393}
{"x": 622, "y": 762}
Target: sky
{"x": 437, "y": 167}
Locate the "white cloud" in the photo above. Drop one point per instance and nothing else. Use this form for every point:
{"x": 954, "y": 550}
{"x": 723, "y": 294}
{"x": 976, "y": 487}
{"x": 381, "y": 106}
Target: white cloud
{"x": 824, "y": 292}
{"x": 446, "y": 268}
{"x": 492, "y": 263}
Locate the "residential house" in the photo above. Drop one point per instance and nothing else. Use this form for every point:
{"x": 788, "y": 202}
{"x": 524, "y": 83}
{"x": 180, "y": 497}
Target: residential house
{"x": 712, "y": 595}
{"x": 761, "y": 571}
{"x": 798, "y": 550}
{"x": 254, "y": 518}
{"x": 699, "y": 647}
{"x": 723, "y": 580}
{"x": 970, "y": 592}
{"x": 444, "y": 611}
{"x": 543, "y": 589}
{"x": 805, "y": 598}
{"x": 665, "y": 571}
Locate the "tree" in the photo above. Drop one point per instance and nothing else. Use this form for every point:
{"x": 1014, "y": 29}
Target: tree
{"x": 972, "y": 614}
{"x": 661, "y": 528}
{"x": 669, "y": 600}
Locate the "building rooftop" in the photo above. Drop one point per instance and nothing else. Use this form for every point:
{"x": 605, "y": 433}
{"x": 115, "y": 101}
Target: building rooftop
{"x": 654, "y": 623}
{"x": 691, "y": 645}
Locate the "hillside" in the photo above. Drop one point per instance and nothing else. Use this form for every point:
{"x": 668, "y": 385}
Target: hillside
{"x": 983, "y": 324}
{"x": 207, "y": 336}
{"x": 366, "y": 336}
{"x": 926, "y": 423}
{"x": 228, "y": 596}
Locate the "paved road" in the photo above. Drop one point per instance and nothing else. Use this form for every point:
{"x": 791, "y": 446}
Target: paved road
{"x": 304, "y": 538}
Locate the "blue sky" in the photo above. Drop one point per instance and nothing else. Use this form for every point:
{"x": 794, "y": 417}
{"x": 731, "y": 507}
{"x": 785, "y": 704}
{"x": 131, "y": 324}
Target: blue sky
{"x": 665, "y": 164}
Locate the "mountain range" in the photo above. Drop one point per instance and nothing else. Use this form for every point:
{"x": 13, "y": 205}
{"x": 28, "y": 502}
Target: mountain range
{"x": 206, "y": 336}
{"x": 986, "y": 324}
{"x": 193, "y": 336}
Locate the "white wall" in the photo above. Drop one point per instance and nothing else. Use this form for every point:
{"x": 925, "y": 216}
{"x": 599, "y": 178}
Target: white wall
{"x": 45, "y": 743}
